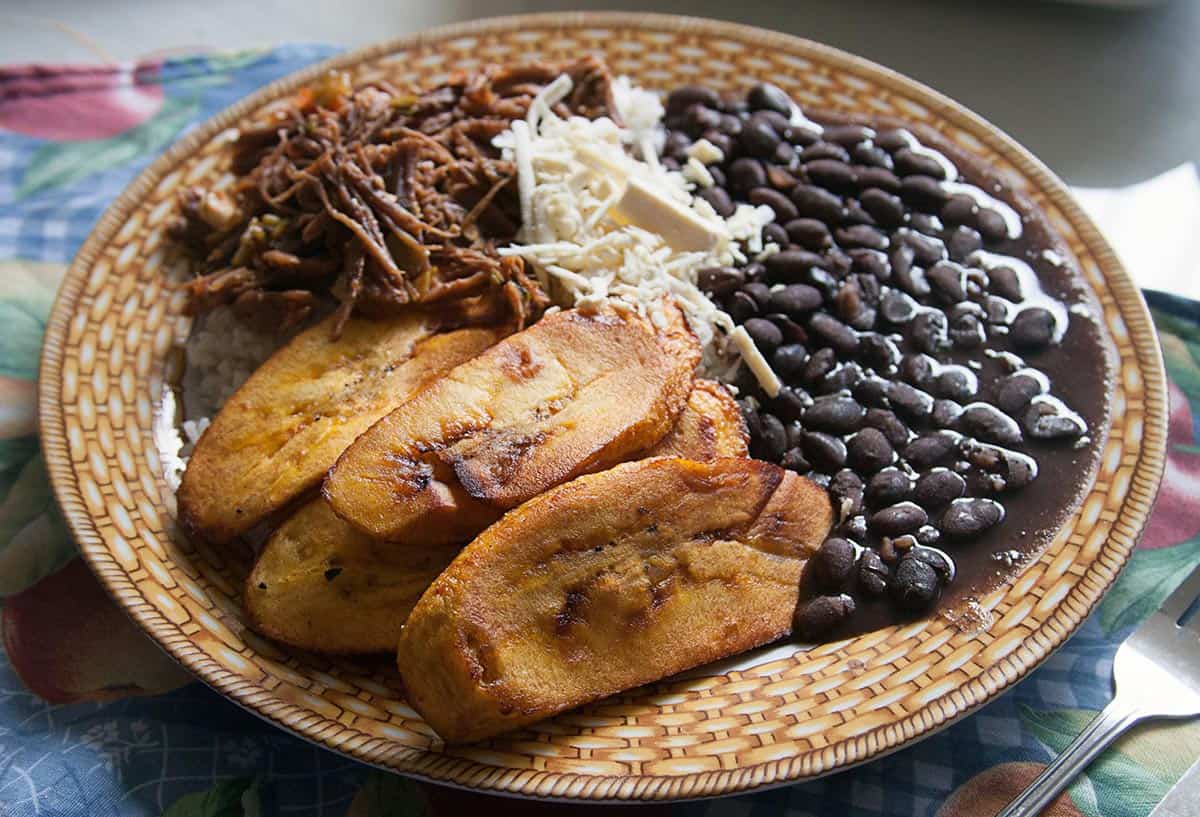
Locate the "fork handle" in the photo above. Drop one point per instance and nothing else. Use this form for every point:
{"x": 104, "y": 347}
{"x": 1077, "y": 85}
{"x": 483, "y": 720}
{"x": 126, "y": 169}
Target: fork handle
{"x": 1094, "y": 739}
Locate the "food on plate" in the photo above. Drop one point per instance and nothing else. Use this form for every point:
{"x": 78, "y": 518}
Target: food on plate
{"x": 943, "y": 368}
{"x": 897, "y": 337}
{"x": 608, "y": 582}
{"x": 377, "y": 196}
{"x": 321, "y": 585}
{"x": 279, "y": 433}
{"x": 576, "y": 392}
{"x": 710, "y": 426}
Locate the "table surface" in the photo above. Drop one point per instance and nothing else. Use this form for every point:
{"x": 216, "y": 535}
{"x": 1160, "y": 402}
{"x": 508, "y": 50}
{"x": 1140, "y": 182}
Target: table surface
{"x": 1105, "y": 97}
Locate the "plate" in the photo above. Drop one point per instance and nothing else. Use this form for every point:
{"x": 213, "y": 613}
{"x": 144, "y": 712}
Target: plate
{"x": 772, "y": 717}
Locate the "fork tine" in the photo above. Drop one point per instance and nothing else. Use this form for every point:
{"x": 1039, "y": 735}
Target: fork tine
{"x": 1179, "y": 601}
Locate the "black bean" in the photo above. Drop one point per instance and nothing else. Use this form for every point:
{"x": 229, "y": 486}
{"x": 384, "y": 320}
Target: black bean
{"x": 884, "y": 207}
{"x": 868, "y": 451}
{"x": 948, "y": 281}
{"x": 1049, "y": 420}
{"x": 758, "y": 139}
{"x": 892, "y": 139}
{"x": 676, "y": 145}
{"x": 853, "y": 528}
{"x": 959, "y": 209}
{"x": 878, "y": 352}
{"x": 927, "y": 250}
{"x": 720, "y": 281}
{"x": 871, "y": 391}
{"x": 903, "y": 517}
{"x": 1005, "y": 282}
{"x": 791, "y": 265}
{"x": 801, "y": 136}
{"x": 745, "y": 174}
{"x": 861, "y": 235}
{"x": 872, "y": 573}
{"x": 927, "y": 535}
{"x": 989, "y": 423}
{"x": 992, "y": 225}
{"x": 848, "y": 304}
{"x": 917, "y": 369}
{"x": 922, "y": 192}
{"x": 945, "y": 413}
{"x": 837, "y": 261}
{"x": 825, "y": 452}
{"x": 750, "y": 417}
{"x": 965, "y": 328}
{"x": 767, "y": 97}
{"x": 871, "y": 156}
{"x": 809, "y": 233}
{"x": 889, "y": 486}
{"x": 741, "y": 306}
{"x": 760, "y": 292}
{"x": 779, "y": 177}
{"x": 879, "y": 178}
{"x": 784, "y": 209}
{"x": 670, "y": 163}
{"x": 893, "y": 428}
{"x": 910, "y": 163}
{"x": 819, "y": 365}
{"x": 719, "y": 199}
{"x": 730, "y": 124}
{"x": 998, "y": 310}
{"x": 1007, "y": 470}
{"x": 928, "y": 331}
{"x": 831, "y": 174}
{"x": 835, "y": 414}
{"x": 816, "y": 202}
{"x": 775, "y": 234}
{"x": 772, "y": 440}
{"x": 846, "y": 492}
{"x": 962, "y": 241}
{"x": 897, "y": 306}
{"x": 915, "y": 585}
{"x": 829, "y": 329}
{"x": 793, "y": 460}
{"x": 939, "y": 561}
{"x": 901, "y": 257}
{"x": 833, "y": 563}
{"x": 823, "y": 150}
{"x": 955, "y": 382}
{"x": 910, "y": 401}
{"x": 789, "y": 361}
{"x": 791, "y": 403}
{"x": 766, "y": 335}
{"x": 938, "y": 487}
{"x": 684, "y": 96}
{"x": 756, "y": 271}
{"x": 1032, "y": 329}
{"x": 784, "y": 155}
{"x": 871, "y": 262}
{"x": 848, "y": 135}
{"x": 930, "y": 449}
{"x": 1014, "y": 392}
{"x": 967, "y": 518}
{"x": 816, "y": 618}
{"x": 699, "y": 118}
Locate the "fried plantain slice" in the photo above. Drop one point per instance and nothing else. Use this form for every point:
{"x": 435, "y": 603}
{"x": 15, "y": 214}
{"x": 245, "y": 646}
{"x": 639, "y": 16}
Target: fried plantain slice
{"x": 321, "y": 585}
{"x": 710, "y": 426}
{"x": 279, "y": 433}
{"x": 576, "y": 392}
{"x": 608, "y": 582}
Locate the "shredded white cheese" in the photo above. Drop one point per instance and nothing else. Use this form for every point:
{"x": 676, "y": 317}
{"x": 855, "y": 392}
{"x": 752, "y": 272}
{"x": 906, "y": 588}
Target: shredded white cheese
{"x": 601, "y": 226}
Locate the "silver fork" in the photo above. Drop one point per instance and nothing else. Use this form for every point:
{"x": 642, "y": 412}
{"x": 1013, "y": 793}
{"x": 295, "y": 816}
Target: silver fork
{"x": 1157, "y": 675}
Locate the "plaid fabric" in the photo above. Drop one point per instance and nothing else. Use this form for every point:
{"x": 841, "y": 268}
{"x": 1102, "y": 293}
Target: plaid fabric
{"x": 185, "y": 750}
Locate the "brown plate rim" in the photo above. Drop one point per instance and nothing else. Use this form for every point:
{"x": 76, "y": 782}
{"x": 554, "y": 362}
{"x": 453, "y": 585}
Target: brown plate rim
{"x": 1069, "y": 613}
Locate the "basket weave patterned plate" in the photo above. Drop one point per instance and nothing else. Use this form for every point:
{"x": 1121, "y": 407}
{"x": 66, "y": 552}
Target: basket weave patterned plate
{"x": 784, "y": 715}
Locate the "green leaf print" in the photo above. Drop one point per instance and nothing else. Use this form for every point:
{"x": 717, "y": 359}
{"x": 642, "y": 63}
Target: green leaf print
{"x": 229, "y": 798}
{"x": 58, "y": 163}
{"x": 1146, "y": 582}
{"x": 24, "y": 320}
{"x": 34, "y": 540}
{"x": 1118, "y": 787}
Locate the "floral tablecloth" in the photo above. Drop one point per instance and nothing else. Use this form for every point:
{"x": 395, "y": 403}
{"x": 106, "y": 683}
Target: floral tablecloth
{"x": 96, "y": 721}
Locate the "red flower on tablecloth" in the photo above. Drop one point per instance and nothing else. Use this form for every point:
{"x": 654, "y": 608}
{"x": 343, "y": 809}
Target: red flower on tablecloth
{"x": 985, "y": 794}
{"x": 68, "y": 641}
{"x": 67, "y": 104}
